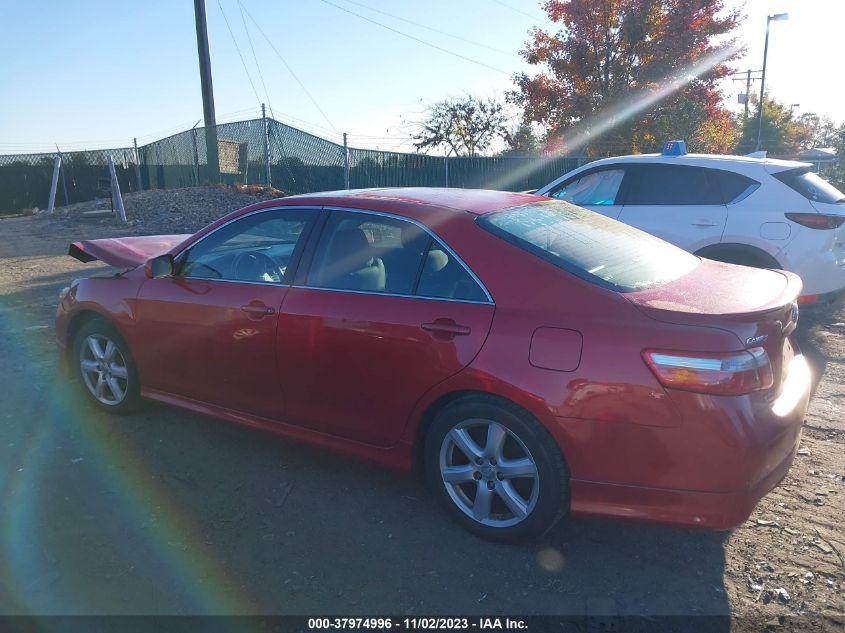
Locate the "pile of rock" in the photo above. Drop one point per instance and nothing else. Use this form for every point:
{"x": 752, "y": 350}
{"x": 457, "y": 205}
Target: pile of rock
{"x": 162, "y": 211}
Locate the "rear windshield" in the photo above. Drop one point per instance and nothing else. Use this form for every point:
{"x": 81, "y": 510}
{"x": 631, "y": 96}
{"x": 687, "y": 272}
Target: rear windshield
{"x": 811, "y": 185}
{"x": 590, "y": 245}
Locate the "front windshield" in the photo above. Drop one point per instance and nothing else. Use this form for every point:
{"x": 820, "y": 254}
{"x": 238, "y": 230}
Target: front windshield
{"x": 590, "y": 245}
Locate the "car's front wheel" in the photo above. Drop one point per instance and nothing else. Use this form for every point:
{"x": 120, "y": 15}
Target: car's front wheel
{"x": 105, "y": 367}
{"x": 496, "y": 469}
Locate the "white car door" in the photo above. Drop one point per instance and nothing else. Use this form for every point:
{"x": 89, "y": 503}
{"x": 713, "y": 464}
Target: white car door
{"x": 681, "y": 204}
{"x": 594, "y": 189}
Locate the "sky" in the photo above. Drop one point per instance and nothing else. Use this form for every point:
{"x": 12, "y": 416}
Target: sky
{"x": 85, "y": 74}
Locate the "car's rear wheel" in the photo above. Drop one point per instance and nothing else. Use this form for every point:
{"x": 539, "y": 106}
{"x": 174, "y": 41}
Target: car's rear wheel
{"x": 105, "y": 368}
{"x": 496, "y": 469}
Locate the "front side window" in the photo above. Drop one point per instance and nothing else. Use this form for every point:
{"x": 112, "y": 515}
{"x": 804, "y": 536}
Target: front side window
{"x": 811, "y": 185}
{"x": 370, "y": 253}
{"x": 595, "y": 188}
{"x": 591, "y": 246}
{"x": 256, "y": 248}
{"x": 678, "y": 185}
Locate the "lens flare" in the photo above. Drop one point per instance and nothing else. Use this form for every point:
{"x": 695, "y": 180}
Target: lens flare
{"x": 54, "y": 417}
{"x": 581, "y": 133}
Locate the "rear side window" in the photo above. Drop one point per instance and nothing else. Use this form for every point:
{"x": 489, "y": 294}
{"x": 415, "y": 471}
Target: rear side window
{"x": 810, "y": 185}
{"x": 594, "y": 188}
{"x": 363, "y": 252}
{"x": 596, "y": 248}
{"x": 734, "y": 187}
{"x": 677, "y": 185}
{"x": 443, "y": 277}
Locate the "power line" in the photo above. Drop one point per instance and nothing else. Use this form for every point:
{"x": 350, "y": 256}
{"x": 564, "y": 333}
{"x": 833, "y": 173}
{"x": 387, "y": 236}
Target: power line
{"x": 290, "y": 70}
{"x": 512, "y": 8}
{"x": 255, "y": 59}
{"x": 416, "y": 39}
{"x": 238, "y": 48}
{"x": 432, "y": 29}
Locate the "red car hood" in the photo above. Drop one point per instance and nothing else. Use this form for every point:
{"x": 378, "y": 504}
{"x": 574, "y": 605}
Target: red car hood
{"x": 123, "y": 252}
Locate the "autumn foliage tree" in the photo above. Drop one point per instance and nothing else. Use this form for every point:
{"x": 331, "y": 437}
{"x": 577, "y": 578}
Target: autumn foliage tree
{"x": 626, "y": 75}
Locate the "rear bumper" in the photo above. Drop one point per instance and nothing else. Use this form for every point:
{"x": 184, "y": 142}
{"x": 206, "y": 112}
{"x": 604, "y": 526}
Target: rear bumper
{"x": 710, "y": 471}
{"x": 685, "y": 508}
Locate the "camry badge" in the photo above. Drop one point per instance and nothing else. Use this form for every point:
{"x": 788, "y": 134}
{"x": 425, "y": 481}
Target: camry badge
{"x": 756, "y": 339}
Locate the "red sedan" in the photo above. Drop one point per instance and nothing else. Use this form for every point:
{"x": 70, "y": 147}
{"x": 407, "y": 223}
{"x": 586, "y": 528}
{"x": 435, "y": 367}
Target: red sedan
{"x": 533, "y": 358}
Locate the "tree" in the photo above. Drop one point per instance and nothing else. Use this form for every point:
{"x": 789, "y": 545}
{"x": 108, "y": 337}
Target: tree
{"x": 625, "y": 75}
{"x": 821, "y": 130}
{"x": 521, "y": 140}
{"x": 780, "y": 134}
{"x": 464, "y": 127}
{"x": 836, "y": 172}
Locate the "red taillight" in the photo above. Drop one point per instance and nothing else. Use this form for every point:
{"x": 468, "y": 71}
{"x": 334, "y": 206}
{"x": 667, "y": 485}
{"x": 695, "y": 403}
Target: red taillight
{"x": 817, "y": 220}
{"x": 729, "y": 374}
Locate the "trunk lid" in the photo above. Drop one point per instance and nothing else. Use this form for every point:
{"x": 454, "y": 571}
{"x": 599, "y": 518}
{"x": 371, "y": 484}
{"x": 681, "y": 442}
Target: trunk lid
{"x": 124, "y": 252}
{"x": 757, "y": 306}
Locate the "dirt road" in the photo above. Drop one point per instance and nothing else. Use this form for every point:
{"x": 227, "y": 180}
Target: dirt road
{"x": 166, "y": 512}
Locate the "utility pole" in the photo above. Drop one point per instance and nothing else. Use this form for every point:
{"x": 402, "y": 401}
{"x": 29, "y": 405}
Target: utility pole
{"x": 747, "y": 92}
{"x": 207, "y": 92}
{"x": 748, "y": 79}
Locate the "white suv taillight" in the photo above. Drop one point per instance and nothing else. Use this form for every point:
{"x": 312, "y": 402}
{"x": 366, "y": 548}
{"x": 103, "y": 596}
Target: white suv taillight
{"x": 820, "y": 221}
{"x": 728, "y": 374}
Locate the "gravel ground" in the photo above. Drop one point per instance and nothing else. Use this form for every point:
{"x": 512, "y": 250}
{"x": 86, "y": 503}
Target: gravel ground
{"x": 166, "y": 512}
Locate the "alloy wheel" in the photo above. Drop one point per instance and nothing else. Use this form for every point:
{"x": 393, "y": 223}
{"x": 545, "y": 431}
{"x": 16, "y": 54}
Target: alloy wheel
{"x": 103, "y": 369}
{"x": 489, "y": 473}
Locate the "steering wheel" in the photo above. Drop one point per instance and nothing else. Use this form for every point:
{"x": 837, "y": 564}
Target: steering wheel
{"x": 255, "y": 266}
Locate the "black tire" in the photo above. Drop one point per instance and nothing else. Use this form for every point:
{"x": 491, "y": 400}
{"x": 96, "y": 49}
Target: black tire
{"x": 551, "y": 477}
{"x": 125, "y": 397}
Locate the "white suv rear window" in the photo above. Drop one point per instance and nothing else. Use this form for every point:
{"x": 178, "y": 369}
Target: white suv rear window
{"x": 810, "y": 185}
{"x": 590, "y": 245}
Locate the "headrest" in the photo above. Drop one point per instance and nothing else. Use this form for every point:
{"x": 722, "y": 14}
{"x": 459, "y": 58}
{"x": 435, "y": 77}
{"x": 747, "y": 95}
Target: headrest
{"x": 436, "y": 260}
{"x": 350, "y": 250}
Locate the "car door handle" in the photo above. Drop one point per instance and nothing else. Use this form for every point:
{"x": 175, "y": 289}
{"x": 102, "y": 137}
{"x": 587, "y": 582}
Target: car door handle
{"x": 258, "y": 309}
{"x": 446, "y": 329}
{"x": 705, "y": 224}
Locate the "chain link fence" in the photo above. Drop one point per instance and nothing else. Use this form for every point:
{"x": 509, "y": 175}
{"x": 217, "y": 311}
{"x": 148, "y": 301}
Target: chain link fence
{"x": 25, "y": 178}
{"x": 264, "y": 151}
{"x": 254, "y": 152}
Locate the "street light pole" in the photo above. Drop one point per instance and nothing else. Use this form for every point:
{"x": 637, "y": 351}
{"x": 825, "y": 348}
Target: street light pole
{"x": 776, "y": 18}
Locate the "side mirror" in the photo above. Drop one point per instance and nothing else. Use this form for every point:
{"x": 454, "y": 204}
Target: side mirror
{"x": 161, "y": 266}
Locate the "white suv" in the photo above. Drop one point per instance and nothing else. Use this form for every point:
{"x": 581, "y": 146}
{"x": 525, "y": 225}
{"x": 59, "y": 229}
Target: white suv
{"x": 740, "y": 209}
